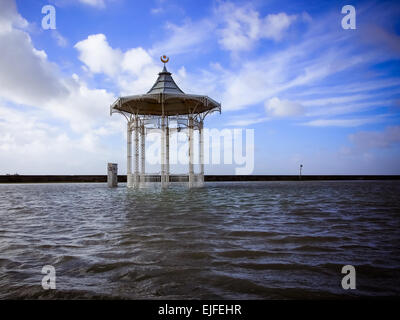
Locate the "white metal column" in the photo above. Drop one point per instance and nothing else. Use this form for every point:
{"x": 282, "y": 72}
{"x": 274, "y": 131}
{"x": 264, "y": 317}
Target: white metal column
{"x": 167, "y": 155}
{"x": 136, "y": 175}
{"x": 143, "y": 153}
{"x": 163, "y": 150}
{"x": 129, "y": 155}
{"x": 201, "y": 151}
{"x": 191, "y": 168}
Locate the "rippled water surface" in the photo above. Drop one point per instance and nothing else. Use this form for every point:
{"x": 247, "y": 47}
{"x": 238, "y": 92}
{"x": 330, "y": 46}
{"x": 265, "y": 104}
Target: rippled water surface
{"x": 258, "y": 240}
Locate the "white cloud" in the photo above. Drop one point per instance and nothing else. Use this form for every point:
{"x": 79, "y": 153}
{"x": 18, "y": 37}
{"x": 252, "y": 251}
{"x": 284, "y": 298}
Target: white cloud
{"x": 295, "y": 68}
{"x": 237, "y": 28}
{"x": 97, "y": 54}
{"x": 275, "y": 25}
{"x": 140, "y": 83}
{"x": 83, "y": 108}
{"x": 29, "y": 145}
{"x": 186, "y": 38}
{"x": 133, "y": 70}
{"x": 61, "y": 41}
{"x": 157, "y": 10}
{"x": 9, "y": 17}
{"x": 347, "y": 88}
{"x": 26, "y": 76}
{"x": 365, "y": 140}
{"x": 341, "y": 109}
{"x": 135, "y": 59}
{"x": 283, "y": 108}
{"x": 94, "y": 3}
{"x": 242, "y": 26}
{"x": 335, "y": 100}
{"x": 140, "y": 71}
{"x": 182, "y": 72}
{"x": 246, "y": 120}
{"x": 265, "y": 77}
{"x": 356, "y": 122}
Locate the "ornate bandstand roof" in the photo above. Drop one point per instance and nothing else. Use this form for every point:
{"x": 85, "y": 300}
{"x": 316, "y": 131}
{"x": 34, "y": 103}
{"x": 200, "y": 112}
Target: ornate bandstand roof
{"x": 165, "y": 84}
{"x": 165, "y": 98}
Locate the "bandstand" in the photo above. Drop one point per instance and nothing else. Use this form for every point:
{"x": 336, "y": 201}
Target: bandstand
{"x": 166, "y": 108}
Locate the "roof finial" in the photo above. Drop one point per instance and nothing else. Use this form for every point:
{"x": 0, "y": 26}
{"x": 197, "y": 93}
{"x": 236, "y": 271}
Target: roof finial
{"x": 164, "y": 59}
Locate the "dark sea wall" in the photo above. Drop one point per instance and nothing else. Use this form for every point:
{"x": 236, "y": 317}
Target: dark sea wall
{"x": 296, "y": 177}
{"x": 122, "y": 178}
{"x": 55, "y": 178}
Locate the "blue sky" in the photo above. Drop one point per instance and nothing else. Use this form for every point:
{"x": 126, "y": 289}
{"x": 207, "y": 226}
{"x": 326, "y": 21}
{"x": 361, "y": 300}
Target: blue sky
{"x": 313, "y": 92}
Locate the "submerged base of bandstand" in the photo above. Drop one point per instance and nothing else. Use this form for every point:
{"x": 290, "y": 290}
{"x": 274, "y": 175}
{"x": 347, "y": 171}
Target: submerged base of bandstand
{"x": 139, "y": 181}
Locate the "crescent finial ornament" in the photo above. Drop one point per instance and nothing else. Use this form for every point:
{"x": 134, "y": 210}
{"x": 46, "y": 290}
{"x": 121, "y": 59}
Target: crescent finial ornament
{"x": 164, "y": 58}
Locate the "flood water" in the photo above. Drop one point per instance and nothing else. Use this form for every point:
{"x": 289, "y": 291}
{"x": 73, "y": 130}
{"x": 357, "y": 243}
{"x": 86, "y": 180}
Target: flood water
{"x": 258, "y": 240}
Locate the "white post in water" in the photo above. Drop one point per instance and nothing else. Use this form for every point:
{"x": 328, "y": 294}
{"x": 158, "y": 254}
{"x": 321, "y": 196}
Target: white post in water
{"x": 129, "y": 155}
{"x": 143, "y": 153}
{"x": 136, "y": 174}
{"x": 163, "y": 151}
{"x": 191, "y": 169}
{"x": 167, "y": 155}
{"x": 112, "y": 175}
{"x": 201, "y": 152}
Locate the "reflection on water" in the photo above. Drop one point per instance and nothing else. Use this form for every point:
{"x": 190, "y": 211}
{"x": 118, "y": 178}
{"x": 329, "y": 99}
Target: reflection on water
{"x": 227, "y": 240}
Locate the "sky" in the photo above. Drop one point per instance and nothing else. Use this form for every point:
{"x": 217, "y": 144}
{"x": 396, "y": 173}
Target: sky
{"x": 313, "y": 92}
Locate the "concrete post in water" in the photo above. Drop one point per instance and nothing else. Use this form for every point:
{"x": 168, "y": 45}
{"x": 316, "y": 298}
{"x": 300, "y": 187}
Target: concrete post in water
{"x": 112, "y": 175}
